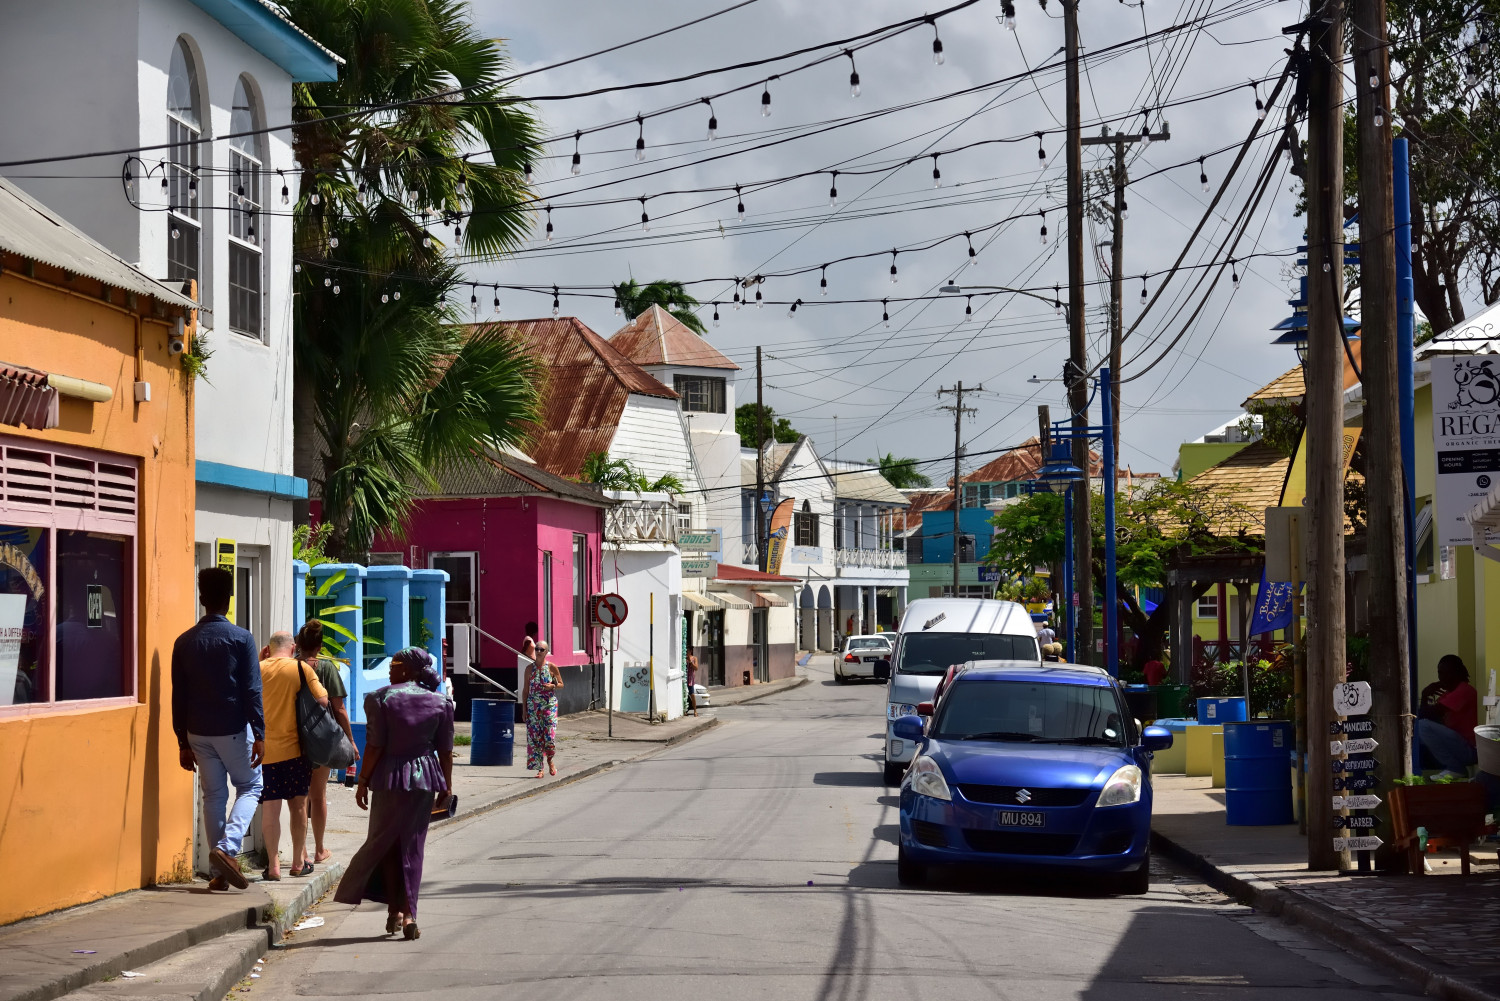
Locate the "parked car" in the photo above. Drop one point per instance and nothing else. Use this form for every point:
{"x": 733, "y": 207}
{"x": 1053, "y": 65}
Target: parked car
{"x": 937, "y": 633}
{"x": 700, "y": 696}
{"x": 1029, "y": 766}
{"x": 861, "y": 654}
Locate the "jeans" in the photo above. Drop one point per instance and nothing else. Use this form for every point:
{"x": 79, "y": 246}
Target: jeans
{"x": 222, "y": 760}
{"x": 1445, "y": 745}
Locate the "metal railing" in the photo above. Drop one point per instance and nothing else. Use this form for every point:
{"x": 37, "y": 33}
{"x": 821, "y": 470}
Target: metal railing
{"x": 752, "y": 555}
{"x": 641, "y": 521}
{"x": 882, "y": 559}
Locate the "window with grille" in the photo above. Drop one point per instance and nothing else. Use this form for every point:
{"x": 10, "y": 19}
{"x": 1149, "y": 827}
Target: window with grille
{"x": 246, "y": 232}
{"x": 684, "y": 518}
{"x": 1208, "y": 606}
{"x": 700, "y": 394}
{"x": 184, "y": 225}
{"x": 806, "y": 526}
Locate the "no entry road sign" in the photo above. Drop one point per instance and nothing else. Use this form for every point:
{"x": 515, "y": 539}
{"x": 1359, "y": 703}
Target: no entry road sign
{"x": 609, "y": 610}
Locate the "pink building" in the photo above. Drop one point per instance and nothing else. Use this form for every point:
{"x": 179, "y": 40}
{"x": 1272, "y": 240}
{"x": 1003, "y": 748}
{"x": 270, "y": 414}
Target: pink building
{"x": 522, "y": 551}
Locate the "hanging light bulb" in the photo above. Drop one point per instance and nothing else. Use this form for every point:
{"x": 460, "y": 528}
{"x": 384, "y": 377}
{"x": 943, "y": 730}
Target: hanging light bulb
{"x": 1143, "y": 290}
{"x": 937, "y": 44}
{"x": 1327, "y": 267}
{"x": 833, "y": 190}
{"x": 315, "y": 198}
{"x": 462, "y": 188}
{"x": 765, "y": 101}
{"x": 411, "y": 197}
{"x": 164, "y": 181}
{"x": 333, "y": 242}
{"x": 973, "y": 254}
{"x": 497, "y": 300}
{"x": 1145, "y": 127}
{"x": 969, "y": 309}
{"x": 297, "y": 268}
{"x": 1203, "y": 175}
{"x": 640, "y": 139}
{"x": 853, "y": 74}
{"x": 1374, "y": 78}
{"x": 1043, "y": 214}
{"x": 526, "y": 170}
{"x": 645, "y": 219}
{"x": 1124, "y": 209}
{"x": 193, "y": 190}
{"x": 286, "y": 193}
{"x": 549, "y": 223}
{"x": 740, "y": 203}
{"x": 894, "y": 276}
{"x": 1041, "y": 154}
{"x": 823, "y": 281}
{"x": 556, "y": 303}
{"x": 327, "y": 282}
{"x": 713, "y": 120}
{"x": 1234, "y": 273}
{"x": 129, "y": 182}
{"x": 793, "y": 311}
{"x": 1471, "y": 74}
{"x": 427, "y": 239}
{"x": 361, "y": 190}
{"x": 474, "y": 297}
{"x": 385, "y": 297}
{"x": 737, "y": 286}
{"x": 618, "y": 310}
{"x": 175, "y": 231}
{"x": 1379, "y": 116}
{"x": 716, "y": 314}
{"x": 1057, "y": 299}
{"x": 335, "y": 290}
{"x": 937, "y": 175}
{"x": 885, "y": 312}
{"x": 1008, "y": 12}
{"x": 458, "y": 232}
{"x": 577, "y": 167}
{"x": 758, "y": 303}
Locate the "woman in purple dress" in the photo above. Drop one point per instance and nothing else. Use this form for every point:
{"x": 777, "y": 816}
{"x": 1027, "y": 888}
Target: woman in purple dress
{"x": 408, "y": 762}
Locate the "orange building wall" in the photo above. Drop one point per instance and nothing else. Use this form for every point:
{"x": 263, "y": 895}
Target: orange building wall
{"x": 93, "y": 802}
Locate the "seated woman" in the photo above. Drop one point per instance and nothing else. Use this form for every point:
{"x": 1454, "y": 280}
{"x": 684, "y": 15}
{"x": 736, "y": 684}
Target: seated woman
{"x": 1445, "y": 722}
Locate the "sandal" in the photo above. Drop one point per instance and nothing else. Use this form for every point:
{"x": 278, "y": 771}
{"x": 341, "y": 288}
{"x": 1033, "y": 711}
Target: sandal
{"x": 306, "y": 870}
{"x": 411, "y": 931}
{"x": 272, "y": 877}
{"x": 393, "y": 922}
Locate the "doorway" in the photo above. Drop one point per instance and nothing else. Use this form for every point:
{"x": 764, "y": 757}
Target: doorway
{"x": 459, "y": 599}
{"x": 713, "y": 648}
{"x": 760, "y": 642}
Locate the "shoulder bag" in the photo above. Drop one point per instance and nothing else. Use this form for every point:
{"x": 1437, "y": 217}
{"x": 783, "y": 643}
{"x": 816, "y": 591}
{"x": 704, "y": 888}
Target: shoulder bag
{"x": 323, "y": 741}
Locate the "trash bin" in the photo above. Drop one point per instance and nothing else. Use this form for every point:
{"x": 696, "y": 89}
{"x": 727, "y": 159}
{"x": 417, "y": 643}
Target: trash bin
{"x": 1141, "y": 701}
{"x": 1200, "y": 749}
{"x": 1257, "y": 780}
{"x": 1231, "y": 710}
{"x": 494, "y": 732}
{"x": 1171, "y": 700}
{"x": 1174, "y": 758}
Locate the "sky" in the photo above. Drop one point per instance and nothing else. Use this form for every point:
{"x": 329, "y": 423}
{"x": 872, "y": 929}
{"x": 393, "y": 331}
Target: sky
{"x": 858, "y": 387}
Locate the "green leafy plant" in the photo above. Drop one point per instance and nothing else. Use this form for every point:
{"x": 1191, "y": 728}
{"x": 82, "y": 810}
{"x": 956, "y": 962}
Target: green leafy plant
{"x": 422, "y": 634}
{"x": 900, "y": 473}
{"x": 335, "y": 636}
{"x": 635, "y": 298}
{"x": 195, "y": 356}
{"x": 619, "y": 474}
{"x": 777, "y": 429}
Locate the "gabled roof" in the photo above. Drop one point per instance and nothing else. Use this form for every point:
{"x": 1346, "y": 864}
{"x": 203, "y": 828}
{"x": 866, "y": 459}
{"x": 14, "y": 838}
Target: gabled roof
{"x": 868, "y": 485}
{"x": 778, "y": 454}
{"x": 500, "y": 474}
{"x": 588, "y": 385}
{"x": 1020, "y": 464}
{"x": 1249, "y": 481}
{"x": 656, "y": 337}
{"x": 31, "y": 230}
{"x": 1476, "y": 335}
{"x": 928, "y": 500}
{"x": 1287, "y": 386}
{"x": 265, "y": 28}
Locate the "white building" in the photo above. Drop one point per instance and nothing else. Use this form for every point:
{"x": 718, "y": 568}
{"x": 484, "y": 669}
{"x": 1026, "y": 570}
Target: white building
{"x": 179, "y": 80}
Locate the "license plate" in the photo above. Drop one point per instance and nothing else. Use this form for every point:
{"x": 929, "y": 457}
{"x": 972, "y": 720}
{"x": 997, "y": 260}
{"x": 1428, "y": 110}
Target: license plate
{"x": 1020, "y": 818}
{"x": 870, "y": 660}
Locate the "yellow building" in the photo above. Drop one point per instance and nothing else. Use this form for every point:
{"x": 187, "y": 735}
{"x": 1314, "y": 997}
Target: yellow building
{"x": 96, "y": 567}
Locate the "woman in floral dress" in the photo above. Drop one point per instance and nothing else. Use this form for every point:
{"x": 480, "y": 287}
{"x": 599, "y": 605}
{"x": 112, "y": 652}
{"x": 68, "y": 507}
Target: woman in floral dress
{"x": 541, "y": 687}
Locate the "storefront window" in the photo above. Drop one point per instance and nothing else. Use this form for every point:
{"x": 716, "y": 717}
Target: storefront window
{"x": 24, "y": 667}
{"x": 91, "y": 616}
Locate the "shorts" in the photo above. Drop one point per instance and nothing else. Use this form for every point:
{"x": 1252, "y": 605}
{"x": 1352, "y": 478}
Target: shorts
{"x": 285, "y": 779}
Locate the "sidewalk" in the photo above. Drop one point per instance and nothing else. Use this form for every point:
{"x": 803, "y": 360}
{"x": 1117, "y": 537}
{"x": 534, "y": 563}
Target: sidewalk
{"x": 1439, "y": 930}
{"x": 186, "y": 943}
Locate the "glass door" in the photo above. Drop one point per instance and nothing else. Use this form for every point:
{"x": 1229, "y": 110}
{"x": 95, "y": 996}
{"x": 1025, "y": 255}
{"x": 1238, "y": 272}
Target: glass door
{"x": 461, "y": 602}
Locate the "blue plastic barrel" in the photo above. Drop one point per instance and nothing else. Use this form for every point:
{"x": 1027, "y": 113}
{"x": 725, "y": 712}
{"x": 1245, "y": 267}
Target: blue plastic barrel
{"x": 494, "y": 732}
{"x": 1218, "y": 711}
{"x": 1257, "y": 779}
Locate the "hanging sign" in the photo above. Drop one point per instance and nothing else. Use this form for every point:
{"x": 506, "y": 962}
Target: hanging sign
{"x": 1351, "y": 698}
{"x": 224, "y": 558}
{"x": 702, "y": 540}
{"x": 1466, "y": 440}
{"x": 1364, "y": 844}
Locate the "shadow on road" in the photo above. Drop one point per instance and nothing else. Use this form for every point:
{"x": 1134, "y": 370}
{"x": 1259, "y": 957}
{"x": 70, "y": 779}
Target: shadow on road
{"x": 861, "y": 778}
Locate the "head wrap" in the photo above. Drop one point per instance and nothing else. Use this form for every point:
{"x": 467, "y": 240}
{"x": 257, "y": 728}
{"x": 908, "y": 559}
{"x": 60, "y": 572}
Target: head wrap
{"x": 422, "y": 667}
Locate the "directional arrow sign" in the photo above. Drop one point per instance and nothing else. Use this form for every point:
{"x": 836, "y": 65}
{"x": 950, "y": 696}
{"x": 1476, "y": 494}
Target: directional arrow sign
{"x": 1350, "y": 726}
{"x": 1366, "y": 844}
{"x": 1356, "y": 765}
{"x": 1366, "y": 823}
{"x": 1361, "y": 745}
{"x": 1355, "y": 802}
{"x": 1354, "y": 783}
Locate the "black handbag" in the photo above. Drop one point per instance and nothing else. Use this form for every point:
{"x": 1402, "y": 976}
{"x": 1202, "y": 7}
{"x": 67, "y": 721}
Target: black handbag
{"x": 323, "y": 741}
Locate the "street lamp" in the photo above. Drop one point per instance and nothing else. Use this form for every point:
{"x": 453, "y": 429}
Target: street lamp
{"x": 1059, "y": 473}
{"x": 1294, "y": 328}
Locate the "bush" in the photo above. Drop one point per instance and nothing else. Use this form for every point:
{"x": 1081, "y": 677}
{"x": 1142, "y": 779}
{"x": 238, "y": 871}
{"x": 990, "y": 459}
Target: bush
{"x": 1271, "y": 684}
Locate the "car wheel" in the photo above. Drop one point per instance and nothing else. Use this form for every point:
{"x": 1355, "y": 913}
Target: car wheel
{"x": 839, "y": 677}
{"x": 909, "y": 873}
{"x": 893, "y": 772}
{"x": 1136, "y": 882}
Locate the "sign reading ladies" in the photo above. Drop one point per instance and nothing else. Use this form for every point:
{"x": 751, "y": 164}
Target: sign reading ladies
{"x": 1466, "y": 439}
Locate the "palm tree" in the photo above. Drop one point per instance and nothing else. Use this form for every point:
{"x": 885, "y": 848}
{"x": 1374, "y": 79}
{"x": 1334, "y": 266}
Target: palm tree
{"x": 635, "y": 298}
{"x": 619, "y": 474}
{"x": 900, "y": 473}
{"x": 389, "y": 387}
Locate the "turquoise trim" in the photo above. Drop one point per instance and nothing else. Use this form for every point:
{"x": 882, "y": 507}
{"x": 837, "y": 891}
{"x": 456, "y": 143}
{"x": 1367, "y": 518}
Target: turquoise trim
{"x": 274, "y": 37}
{"x": 255, "y": 481}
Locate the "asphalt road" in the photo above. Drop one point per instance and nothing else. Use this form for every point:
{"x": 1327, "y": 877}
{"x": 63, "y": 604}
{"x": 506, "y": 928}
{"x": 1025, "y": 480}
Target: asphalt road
{"x": 759, "y": 861}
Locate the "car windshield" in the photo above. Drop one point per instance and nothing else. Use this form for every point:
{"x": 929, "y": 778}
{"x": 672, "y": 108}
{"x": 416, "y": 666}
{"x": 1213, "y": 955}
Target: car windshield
{"x": 1031, "y": 712}
{"x": 869, "y": 643}
{"x": 933, "y": 653}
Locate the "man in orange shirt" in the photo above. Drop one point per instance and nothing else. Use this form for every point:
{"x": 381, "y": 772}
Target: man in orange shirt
{"x": 286, "y": 774}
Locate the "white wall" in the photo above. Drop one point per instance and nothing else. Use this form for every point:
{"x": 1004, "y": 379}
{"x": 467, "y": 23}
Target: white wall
{"x": 637, "y": 573}
{"x": 651, "y": 436}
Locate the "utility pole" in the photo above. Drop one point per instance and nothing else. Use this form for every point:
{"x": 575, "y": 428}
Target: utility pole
{"x": 1075, "y": 378}
{"x": 1119, "y": 141}
{"x": 959, "y": 410}
{"x": 1325, "y": 418}
{"x": 1389, "y": 678}
{"x": 760, "y": 467}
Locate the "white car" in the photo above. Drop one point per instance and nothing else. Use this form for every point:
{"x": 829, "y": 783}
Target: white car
{"x": 860, "y": 654}
{"x": 700, "y": 697}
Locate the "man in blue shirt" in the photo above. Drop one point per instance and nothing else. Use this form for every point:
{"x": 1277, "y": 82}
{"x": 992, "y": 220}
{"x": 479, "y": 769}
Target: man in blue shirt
{"x": 219, "y": 721}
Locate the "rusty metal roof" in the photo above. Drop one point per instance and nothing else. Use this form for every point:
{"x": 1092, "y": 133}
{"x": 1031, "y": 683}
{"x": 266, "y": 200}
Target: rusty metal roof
{"x": 656, "y": 337}
{"x": 588, "y": 384}
{"x": 1020, "y": 464}
{"x": 499, "y": 474}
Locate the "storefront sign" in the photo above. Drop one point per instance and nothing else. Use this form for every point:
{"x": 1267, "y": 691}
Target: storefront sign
{"x": 703, "y": 540}
{"x": 989, "y": 575}
{"x": 224, "y": 555}
{"x": 95, "y": 606}
{"x": 805, "y": 554}
{"x": 701, "y": 567}
{"x": 12, "y": 627}
{"x": 1466, "y": 440}
{"x": 1351, "y": 698}
{"x": 780, "y": 528}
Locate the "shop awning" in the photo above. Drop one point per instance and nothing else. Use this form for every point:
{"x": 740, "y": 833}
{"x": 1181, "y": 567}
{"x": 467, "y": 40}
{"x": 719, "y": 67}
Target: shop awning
{"x": 767, "y": 598}
{"x": 26, "y": 398}
{"x": 702, "y": 601}
{"x": 729, "y": 600}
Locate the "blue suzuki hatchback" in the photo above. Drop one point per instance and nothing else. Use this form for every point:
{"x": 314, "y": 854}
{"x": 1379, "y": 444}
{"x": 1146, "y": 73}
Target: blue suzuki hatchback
{"x": 1025, "y": 766}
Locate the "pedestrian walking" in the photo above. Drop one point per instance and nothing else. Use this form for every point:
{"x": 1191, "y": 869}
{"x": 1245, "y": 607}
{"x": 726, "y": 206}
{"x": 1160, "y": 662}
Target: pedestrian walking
{"x": 408, "y": 764}
{"x": 287, "y": 774}
{"x": 540, "y": 695}
{"x": 218, "y": 719}
{"x": 309, "y": 650}
{"x": 692, "y": 682}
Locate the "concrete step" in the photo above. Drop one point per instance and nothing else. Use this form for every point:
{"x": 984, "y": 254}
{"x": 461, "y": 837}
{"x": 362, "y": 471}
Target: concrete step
{"x": 206, "y": 972}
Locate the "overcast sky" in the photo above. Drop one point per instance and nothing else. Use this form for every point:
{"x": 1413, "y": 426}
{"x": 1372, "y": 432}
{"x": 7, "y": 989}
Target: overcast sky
{"x": 836, "y": 370}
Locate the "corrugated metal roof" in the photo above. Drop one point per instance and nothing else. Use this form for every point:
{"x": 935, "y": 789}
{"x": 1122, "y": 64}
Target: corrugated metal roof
{"x": 656, "y": 337}
{"x": 1020, "y": 464}
{"x": 504, "y": 475}
{"x": 30, "y": 229}
{"x": 867, "y": 484}
{"x": 588, "y": 384}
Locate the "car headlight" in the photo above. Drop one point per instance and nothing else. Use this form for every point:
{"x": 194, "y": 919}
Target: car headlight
{"x": 1123, "y": 787}
{"x": 927, "y": 779}
{"x": 895, "y": 710}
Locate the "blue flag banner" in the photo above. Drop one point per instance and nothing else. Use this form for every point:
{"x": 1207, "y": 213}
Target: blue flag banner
{"x": 1273, "y": 606}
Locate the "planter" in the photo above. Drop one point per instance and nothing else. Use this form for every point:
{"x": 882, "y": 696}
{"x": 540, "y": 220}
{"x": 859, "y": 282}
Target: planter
{"x": 1453, "y": 815}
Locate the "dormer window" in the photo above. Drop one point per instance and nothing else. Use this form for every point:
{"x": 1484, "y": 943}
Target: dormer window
{"x": 700, "y": 393}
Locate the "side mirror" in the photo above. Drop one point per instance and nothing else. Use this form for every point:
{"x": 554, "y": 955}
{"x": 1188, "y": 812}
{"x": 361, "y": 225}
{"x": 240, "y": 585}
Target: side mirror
{"x": 1156, "y": 738}
{"x": 924, "y": 709}
{"x": 882, "y": 670}
{"x": 908, "y": 728}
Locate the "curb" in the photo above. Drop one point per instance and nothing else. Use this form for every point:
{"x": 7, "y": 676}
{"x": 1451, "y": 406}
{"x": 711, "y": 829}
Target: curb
{"x": 292, "y": 910}
{"x": 801, "y": 680}
{"x": 1357, "y": 937}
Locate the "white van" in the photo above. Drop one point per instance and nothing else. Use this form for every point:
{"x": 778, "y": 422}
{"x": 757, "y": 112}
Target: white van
{"x": 936, "y": 633}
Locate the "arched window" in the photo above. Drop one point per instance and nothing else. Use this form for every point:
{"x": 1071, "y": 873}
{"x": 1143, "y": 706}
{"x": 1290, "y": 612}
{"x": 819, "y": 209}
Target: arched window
{"x": 184, "y": 226}
{"x": 807, "y": 526}
{"x": 246, "y": 229}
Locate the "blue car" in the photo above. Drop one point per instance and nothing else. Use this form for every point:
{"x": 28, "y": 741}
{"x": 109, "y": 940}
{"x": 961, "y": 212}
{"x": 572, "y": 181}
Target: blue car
{"x": 1029, "y": 766}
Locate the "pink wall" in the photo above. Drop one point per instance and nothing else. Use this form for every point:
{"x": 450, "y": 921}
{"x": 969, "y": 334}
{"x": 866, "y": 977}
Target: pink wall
{"x": 510, "y": 534}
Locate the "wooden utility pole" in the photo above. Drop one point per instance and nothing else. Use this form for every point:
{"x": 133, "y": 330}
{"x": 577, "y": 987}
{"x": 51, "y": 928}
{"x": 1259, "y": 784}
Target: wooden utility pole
{"x": 1119, "y": 141}
{"x": 1324, "y": 375}
{"x": 760, "y": 466}
{"x": 958, "y": 410}
{"x": 1074, "y": 375}
{"x": 1385, "y": 500}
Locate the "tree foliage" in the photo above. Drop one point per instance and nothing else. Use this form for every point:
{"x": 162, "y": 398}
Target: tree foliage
{"x": 620, "y": 474}
{"x": 635, "y": 298}
{"x": 900, "y": 473}
{"x": 777, "y": 429}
